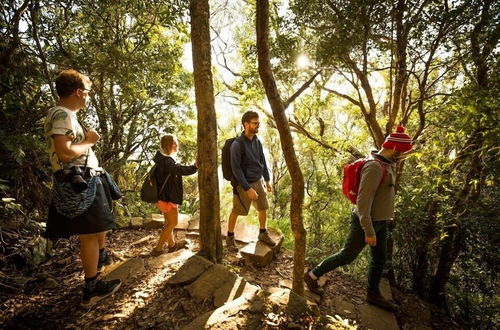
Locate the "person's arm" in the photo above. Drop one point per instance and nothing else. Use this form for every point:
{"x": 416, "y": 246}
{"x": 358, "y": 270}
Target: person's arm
{"x": 236, "y": 165}
{"x": 66, "y": 151}
{"x": 176, "y": 168}
{"x": 370, "y": 181}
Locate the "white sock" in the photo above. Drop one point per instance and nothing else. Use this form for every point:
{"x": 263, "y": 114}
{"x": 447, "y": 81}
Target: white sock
{"x": 314, "y": 277}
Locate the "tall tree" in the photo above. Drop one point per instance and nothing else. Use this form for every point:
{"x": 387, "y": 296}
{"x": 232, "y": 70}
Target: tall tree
{"x": 287, "y": 145}
{"x": 210, "y": 229}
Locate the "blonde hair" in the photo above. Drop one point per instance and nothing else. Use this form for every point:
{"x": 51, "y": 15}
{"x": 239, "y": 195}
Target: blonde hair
{"x": 166, "y": 143}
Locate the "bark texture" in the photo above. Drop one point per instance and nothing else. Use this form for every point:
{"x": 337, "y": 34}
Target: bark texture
{"x": 210, "y": 230}
{"x": 278, "y": 108}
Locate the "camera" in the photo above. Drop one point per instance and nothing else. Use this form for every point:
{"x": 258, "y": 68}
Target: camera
{"x": 77, "y": 181}
{"x": 73, "y": 175}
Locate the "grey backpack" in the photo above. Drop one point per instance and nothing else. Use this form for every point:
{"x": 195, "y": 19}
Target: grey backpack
{"x": 149, "y": 190}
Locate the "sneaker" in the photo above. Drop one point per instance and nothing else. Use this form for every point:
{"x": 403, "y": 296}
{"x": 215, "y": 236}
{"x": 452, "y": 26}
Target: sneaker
{"x": 102, "y": 289}
{"x": 264, "y": 237}
{"x": 104, "y": 260}
{"x": 231, "y": 243}
{"x": 312, "y": 284}
{"x": 375, "y": 298}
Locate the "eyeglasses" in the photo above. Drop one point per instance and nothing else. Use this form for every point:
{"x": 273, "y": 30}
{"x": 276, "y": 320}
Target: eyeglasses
{"x": 256, "y": 123}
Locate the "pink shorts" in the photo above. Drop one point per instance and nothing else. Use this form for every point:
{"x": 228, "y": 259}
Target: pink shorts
{"x": 166, "y": 207}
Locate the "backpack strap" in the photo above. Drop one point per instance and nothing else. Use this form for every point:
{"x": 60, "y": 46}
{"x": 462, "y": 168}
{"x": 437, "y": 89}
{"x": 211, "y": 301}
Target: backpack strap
{"x": 384, "y": 169}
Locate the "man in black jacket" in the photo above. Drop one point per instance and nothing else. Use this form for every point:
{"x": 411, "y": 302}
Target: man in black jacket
{"x": 249, "y": 167}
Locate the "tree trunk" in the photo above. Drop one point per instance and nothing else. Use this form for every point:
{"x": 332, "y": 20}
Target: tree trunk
{"x": 210, "y": 229}
{"x": 277, "y": 105}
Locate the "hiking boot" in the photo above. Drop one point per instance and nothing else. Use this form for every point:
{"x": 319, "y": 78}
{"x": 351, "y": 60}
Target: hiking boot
{"x": 99, "y": 290}
{"x": 264, "y": 237}
{"x": 104, "y": 259}
{"x": 312, "y": 284}
{"x": 231, "y": 243}
{"x": 375, "y": 298}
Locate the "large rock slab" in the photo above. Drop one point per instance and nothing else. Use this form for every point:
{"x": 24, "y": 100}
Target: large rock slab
{"x": 373, "y": 317}
{"x": 183, "y": 221}
{"x": 194, "y": 222}
{"x": 292, "y": 304}
{"x": 232, "y": 290}
{"x": 258, "y": 254}
{"x": 248, "y": 233}
{"x": 344, "y": 307}
{"x": 245, "y": 312}
{"x": 169, "y": 258}
{"x": 156, "y": 221}
{"x": 212, "y": 279}
{"x": 190, "y": 271}
{"x": 125, "y": 270}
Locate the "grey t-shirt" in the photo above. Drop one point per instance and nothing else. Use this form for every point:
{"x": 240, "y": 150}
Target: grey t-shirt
{"x": 62, "y": 121}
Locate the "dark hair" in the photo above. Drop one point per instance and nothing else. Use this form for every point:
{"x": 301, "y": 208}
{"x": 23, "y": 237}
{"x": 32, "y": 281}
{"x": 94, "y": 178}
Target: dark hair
{"x": 248, "y": 116}
{"x": 69, "y": 81}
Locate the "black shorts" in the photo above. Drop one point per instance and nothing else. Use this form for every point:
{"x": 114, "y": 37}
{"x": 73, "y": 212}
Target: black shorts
{"x": 98, "y": 218}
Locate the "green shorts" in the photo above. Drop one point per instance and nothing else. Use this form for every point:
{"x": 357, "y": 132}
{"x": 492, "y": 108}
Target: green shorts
{"x": 241, "y": 202}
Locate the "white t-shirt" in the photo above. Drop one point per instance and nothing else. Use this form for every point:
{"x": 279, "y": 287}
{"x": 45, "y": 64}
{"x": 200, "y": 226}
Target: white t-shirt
{"x": 62, "y": 121}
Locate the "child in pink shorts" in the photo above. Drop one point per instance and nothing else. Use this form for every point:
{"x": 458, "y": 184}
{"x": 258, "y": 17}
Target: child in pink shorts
{"x": 172, "y": 195}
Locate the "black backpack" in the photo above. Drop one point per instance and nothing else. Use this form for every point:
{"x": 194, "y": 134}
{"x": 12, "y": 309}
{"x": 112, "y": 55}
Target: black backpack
{"x": 149, "y": 190}
{"x": 227, "y": 171}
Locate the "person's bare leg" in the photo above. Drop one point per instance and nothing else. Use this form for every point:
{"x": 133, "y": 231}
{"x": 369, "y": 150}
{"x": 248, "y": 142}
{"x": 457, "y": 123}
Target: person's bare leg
{"x": 232, "y": 222}
{"x": 262, "y": 219}
{"x": 167, "y": 234}
{"x": 101, "y": 237}
{"x": 89, "y": 253}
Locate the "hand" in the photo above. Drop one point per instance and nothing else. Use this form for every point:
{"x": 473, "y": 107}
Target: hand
{"x": 91, "y": 136}
{"x": 371, "y": 240}
{"x": 252, "y": 194}
{"x": 268, "y": 186}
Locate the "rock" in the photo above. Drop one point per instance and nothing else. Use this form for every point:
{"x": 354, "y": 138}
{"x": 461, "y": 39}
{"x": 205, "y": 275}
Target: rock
{"x": 39, "y": 250}
{"x": 190, "y": 271}
{"x": 51, "y": 283}
{"x": 212, "y": 279}
{"x": 243, "y": 232}
{"x": 136, "y": 222}
{"x": 344, "y": 307}
{"x": 377, "y": 318}
{"x": 385, "y": 289}
{"x": 125, "y": 270}
{"x": 235, "y": 314}
{"x": 258, "y": 254}
{"x": 156, "y": 221}
{"x": 169, "y": 258}
{"x": 233, "y": 290}
{"x": 194, "y": 223}
{"x": 312, "y": 296}
{"x": 183, "y": 221}
{"x": 292, "y": 304}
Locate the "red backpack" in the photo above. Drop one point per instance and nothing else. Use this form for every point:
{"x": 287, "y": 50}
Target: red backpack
{"x": 352, "y": 177}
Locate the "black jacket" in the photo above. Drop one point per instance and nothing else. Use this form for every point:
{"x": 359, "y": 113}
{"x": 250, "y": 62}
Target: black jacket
{"x": 173, "y": 191}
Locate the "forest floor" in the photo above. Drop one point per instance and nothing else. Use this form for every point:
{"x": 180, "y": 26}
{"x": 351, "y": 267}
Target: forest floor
{"x": 52, "y": 292}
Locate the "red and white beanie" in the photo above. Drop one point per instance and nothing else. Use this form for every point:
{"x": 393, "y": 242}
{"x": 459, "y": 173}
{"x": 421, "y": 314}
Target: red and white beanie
{"x": 398, "y": 141}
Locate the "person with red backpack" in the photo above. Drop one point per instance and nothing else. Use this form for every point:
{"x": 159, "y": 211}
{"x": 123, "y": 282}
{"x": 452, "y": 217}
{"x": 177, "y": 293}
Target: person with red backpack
{"x": 372, "y": 182}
